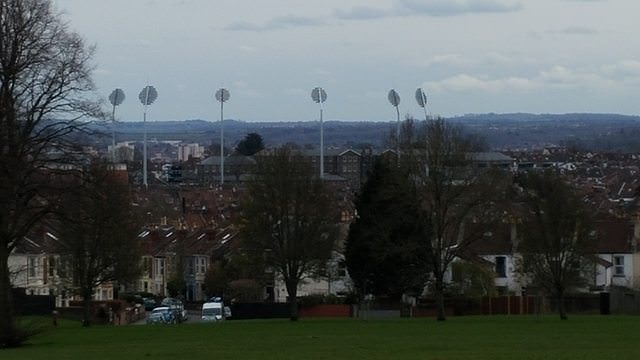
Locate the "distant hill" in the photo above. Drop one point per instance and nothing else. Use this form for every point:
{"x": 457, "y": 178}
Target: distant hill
{"x": 611, "y": 132}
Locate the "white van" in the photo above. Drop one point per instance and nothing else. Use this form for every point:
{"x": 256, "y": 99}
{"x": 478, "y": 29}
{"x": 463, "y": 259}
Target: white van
{"x": 213, "y": 311}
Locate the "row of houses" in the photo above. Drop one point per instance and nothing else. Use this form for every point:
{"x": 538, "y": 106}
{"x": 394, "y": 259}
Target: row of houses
{"x": 167, "y": 252}
{"x": 170, "y": 252}
{"x": 616, "y": 258}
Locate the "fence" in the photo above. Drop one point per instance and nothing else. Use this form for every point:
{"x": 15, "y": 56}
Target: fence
{"x": 26, "y": 305}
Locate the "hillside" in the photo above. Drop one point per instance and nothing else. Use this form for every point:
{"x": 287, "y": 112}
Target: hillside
{"x": 611, "y": 132}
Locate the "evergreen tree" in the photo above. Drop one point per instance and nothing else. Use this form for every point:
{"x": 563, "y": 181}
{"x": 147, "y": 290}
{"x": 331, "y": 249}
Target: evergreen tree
{"x": 385, "y": 251}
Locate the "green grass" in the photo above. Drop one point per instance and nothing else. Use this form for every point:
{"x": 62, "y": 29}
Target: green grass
{"x": 526, "y": 337}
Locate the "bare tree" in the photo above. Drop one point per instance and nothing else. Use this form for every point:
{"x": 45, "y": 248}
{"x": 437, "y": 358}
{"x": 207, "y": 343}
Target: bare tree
{"x": 98, "y": 233}
{"x": 458, "y": 199}
{"x": 45, "y": 86}
{"x": 289, "y": 217}
{"x": 557, "y": 247}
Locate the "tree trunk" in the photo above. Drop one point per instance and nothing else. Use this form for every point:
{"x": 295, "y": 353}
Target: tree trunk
{"x": 86, "y": 304}
{"x": 292, "y": 299}
{"x": 561, "y": 309}
{"x": 8, "y": 330}
{"x": 439, "y": 293}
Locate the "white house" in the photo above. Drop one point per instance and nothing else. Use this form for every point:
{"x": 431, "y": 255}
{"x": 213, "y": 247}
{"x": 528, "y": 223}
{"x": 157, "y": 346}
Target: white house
{"x": 336, "y": 282}
{"x": 35, "y": 267}
{"x": 617, "y": 251}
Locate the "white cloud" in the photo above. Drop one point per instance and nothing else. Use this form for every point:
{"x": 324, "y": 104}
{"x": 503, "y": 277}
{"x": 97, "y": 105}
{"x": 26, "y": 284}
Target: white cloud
{"x": 445, "y": 59}
{"x": 556, "y": 77}
{"x": 247, "y": 49}
{"x": 623, "y": 69}
{"x": 466, "y": 82}
{"x": 240, "y": 84}
{"x": 453, "y": 60}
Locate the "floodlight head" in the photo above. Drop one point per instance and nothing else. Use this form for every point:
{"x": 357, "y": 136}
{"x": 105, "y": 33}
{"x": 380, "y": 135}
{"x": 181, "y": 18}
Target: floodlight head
{"x": 421, "y": 97}
{"x": 394, "y": 98}
{"x": 318, "y": 95}
{"x": 117, "y": 97}
{"x": 223, "y": 95}
{"x": 148, "y": 95}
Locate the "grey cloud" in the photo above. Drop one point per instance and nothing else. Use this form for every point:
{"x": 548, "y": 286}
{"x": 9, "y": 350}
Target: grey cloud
{"x": 576, "y": 30}
{"x": 457, "y": 7}
{"x": 568, "y": 31}
{"x": 244, "y": 26}
{"x": 281, "y": 22}
{"x": 399, "y": 8}
{"x": 428, "y": 8}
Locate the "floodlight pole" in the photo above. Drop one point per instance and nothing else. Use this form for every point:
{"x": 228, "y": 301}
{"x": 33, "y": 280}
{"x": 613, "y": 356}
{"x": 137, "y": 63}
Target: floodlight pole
{"x": 113, "y": 134}
{"x": 426, "y": 116}
{"x": 321, "y": 138}
{"x": 222, "y": 95}
{"x": 394, "y": 99}
{"x": 146, "y": 96}
{"x": 320, "y": 96}
{"x": 116, "y": 98}
{"x": 398, "y": 134}
{"x": 144, "y": 146}
{"x": 421, "y": 98}
{"x": 221, "y": 142}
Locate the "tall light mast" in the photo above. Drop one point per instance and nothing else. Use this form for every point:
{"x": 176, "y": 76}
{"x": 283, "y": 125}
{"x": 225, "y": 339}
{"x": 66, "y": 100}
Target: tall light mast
{"x": 147, "y": 96}
{"x": 394, "y": 99}
{"x": 222, "y": 95}
{"x": 320, "y": 96}
{"x": 115, "y": 98}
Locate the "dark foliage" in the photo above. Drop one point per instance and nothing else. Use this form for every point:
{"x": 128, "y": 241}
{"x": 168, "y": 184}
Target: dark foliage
{"x": 251, "y": 144}
{"x": 385, "y": 252}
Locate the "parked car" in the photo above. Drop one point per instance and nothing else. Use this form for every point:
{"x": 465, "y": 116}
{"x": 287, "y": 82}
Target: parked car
{"x": 162, "y": 315}
{"x": 177, "y": 307}
{"x": 149, "y": 303}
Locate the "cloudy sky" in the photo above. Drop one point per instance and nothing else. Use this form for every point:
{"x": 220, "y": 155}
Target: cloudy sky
{"x": 470, "y": 56}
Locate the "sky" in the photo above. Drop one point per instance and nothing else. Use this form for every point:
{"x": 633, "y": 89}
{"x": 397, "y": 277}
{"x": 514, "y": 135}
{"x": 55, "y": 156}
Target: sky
{"x": 469, "y": 56}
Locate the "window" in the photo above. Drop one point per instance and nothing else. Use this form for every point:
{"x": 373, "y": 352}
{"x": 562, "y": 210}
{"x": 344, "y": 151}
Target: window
{"x": 342, "y": 269}
{"x": 618, "y": 266}
{"x": 147, "y": 266}
{"x": 159, "y": 268}
{"x": 501, "y": 266}
{"x": 203, "y": 265}
{"x": 33, "y": 264}
{"x": 52, "y": 265}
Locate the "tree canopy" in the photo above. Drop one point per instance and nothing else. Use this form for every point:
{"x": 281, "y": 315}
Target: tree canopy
{"x": 385, "y": 250}
{"x": 45, "y": 88}
{"x": 558, "y": 243}
{"x": 461, "y": 199}
{"x": 289, "y": 218}
{"x": 98, "y": 233}
{"x": 251, "y": 144}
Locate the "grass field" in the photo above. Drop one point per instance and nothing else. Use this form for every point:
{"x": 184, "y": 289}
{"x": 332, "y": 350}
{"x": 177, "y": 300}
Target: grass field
{"x": 526, "y": 337}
